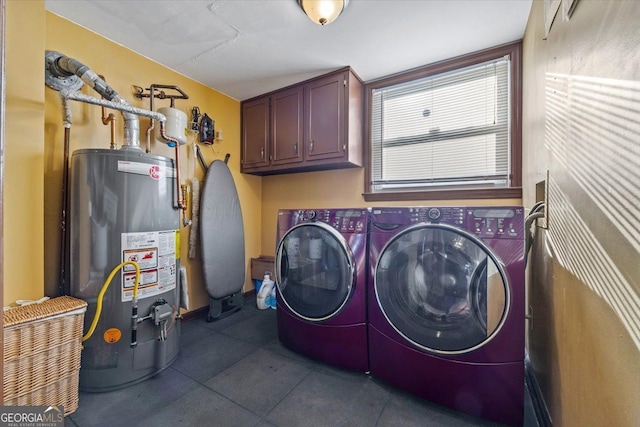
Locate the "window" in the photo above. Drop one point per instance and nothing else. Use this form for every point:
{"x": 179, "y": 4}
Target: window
{"x": 447, "y": 130}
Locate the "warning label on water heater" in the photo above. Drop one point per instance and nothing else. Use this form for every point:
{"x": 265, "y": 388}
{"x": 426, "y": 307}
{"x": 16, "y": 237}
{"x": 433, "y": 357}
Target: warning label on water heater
{"x": 155, "y": 253}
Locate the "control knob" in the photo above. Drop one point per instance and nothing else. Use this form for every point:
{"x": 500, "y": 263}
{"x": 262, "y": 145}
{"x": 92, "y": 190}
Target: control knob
{"x": 434, "y": 213}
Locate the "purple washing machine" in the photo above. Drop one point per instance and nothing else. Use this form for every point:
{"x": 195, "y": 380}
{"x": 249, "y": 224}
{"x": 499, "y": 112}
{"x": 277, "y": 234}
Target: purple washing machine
{"x": 320, "y": 275}
{"x": 446, "y": 306}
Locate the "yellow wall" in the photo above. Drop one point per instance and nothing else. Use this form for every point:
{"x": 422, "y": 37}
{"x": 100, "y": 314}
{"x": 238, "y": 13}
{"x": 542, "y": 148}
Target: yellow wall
{"x": 330, "y": 189}
{"x": 24, "y": 151}
{"x": 33, "y": 234}
{"x": 581, "y": 114}
{"x": 122, "y": 69}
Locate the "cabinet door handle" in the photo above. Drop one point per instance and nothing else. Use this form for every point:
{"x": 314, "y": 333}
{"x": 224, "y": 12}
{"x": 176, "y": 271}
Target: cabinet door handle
{"x": 262, "y": 153}
{"x": 311, "y": 146}
{"x": 295, "y": 148}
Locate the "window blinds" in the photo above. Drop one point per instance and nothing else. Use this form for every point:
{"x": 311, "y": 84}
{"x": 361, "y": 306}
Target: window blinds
{"x": 446, "y": 129}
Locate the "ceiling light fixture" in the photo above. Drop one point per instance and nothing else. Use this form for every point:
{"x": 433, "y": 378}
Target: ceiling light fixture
{"x": 323, "y": 12}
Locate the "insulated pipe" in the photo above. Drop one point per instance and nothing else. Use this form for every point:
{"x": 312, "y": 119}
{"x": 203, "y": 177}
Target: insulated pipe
{"x": 62, "y": 66}
{"x": 77, "y": 96}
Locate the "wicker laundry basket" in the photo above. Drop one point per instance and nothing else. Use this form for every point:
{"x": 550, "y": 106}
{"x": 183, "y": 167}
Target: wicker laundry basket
{"x": 42, "y": 344}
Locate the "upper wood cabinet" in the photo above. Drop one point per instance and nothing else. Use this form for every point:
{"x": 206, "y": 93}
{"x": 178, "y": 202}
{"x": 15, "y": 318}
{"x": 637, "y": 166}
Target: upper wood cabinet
{"x": 255, "y": 133}
{"x": 314, "y": 125}
{"x": 286, "y": 126}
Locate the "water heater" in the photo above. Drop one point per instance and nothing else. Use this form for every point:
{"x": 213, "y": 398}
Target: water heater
{"x": 123, "y": 208}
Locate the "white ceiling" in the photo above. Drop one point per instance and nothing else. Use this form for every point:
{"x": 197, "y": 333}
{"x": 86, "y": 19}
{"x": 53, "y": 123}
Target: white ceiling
{"x": 244, "y": 48}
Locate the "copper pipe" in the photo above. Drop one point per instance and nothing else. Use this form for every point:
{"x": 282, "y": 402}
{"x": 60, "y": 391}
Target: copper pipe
{"x": 161, "y": 94}
{"x": 110, "y": 119}
{"x": 152, "y": 123}
{"x": 181, "y": 203}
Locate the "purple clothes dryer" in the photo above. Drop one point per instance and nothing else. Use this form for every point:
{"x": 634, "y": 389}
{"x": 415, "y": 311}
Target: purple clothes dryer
{"x": 320, "y": 275}
{"x": 446, "y": 306}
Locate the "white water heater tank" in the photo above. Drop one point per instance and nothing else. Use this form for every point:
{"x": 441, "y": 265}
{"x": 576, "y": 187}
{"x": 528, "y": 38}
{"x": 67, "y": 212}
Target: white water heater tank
{"x": 175, "y": 126}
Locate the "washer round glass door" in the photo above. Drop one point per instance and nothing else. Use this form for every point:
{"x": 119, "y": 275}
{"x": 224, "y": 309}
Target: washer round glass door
{"x": 315, "y": 271}
{"x": 441, "y": 288}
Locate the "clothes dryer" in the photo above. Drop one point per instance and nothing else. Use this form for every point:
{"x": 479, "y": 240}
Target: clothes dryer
{"x": 320, "y": 274}
{"x": 446, "y": 306}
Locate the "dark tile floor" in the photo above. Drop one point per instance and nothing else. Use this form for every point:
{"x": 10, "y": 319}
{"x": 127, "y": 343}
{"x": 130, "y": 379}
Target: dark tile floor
{"x": 235, "y": 372}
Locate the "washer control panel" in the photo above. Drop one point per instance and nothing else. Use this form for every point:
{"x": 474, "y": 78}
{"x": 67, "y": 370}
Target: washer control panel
{"x": 343, "y": 220}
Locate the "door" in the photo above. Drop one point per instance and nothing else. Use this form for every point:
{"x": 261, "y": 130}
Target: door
{"x": 315, "y": 271}
{"x": 441, "y": 288}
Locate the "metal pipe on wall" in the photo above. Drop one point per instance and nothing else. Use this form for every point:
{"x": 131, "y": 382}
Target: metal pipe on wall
{"x": 152, "y": 124}
{"x": 60, "y": 67}
{"x": 62, "y": 286}
{"x": 181, "y": 200}
{"x": 109, "y": 119}
{"x": 77, "y": 96}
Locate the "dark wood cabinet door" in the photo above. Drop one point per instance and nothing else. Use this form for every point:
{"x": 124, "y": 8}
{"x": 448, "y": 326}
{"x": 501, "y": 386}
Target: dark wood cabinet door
{"x": 255, "y": 133}
{"x": 311, "y": 126}
{"x": 286, "y": 126}
{"x": 325, "y": 118}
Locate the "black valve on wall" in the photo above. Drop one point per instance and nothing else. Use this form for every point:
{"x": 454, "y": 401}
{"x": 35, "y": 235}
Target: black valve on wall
{"x": 207, "y": 132}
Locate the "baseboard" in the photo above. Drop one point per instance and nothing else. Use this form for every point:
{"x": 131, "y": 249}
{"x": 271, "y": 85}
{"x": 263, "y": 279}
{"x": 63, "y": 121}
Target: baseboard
{"x": 537, "y": 399}
{"x": 202, "y": 311}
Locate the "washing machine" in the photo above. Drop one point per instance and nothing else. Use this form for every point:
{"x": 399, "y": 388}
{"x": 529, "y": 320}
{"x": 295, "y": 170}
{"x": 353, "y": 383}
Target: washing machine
{"x": 446, "y": 315}
{"x": 320, "y": 275}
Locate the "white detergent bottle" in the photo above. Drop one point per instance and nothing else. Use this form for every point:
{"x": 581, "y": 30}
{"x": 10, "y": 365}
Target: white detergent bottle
{"x": 264, "y": 292}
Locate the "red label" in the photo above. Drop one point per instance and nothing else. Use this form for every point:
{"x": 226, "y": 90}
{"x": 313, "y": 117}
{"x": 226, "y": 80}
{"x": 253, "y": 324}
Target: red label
{"x": 155, "y": 172}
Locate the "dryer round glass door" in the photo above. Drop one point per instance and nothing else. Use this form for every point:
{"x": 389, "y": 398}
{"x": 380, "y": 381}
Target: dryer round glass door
{"x": 441, "y": 288}
{"x": 315, "y": 271}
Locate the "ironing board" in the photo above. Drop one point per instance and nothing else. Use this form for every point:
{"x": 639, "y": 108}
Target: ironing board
{"x": 222, "y": 241}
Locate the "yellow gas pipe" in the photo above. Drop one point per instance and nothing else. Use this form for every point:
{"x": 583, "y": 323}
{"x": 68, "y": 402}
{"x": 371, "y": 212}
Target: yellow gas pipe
{"x": 104, "y": 288}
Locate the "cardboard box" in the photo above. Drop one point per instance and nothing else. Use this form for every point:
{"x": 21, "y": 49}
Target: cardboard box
{"x": 260, "y": 265}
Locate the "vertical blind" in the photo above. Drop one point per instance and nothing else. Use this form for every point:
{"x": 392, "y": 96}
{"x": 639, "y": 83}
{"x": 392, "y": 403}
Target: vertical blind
{"x": 447, "y": 129}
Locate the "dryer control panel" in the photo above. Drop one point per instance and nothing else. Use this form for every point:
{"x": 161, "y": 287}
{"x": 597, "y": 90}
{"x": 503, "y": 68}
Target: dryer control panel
{"x": 496, "y": 222}
{"x": 343, "y": 220}
{"x": 491, "y": 222}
